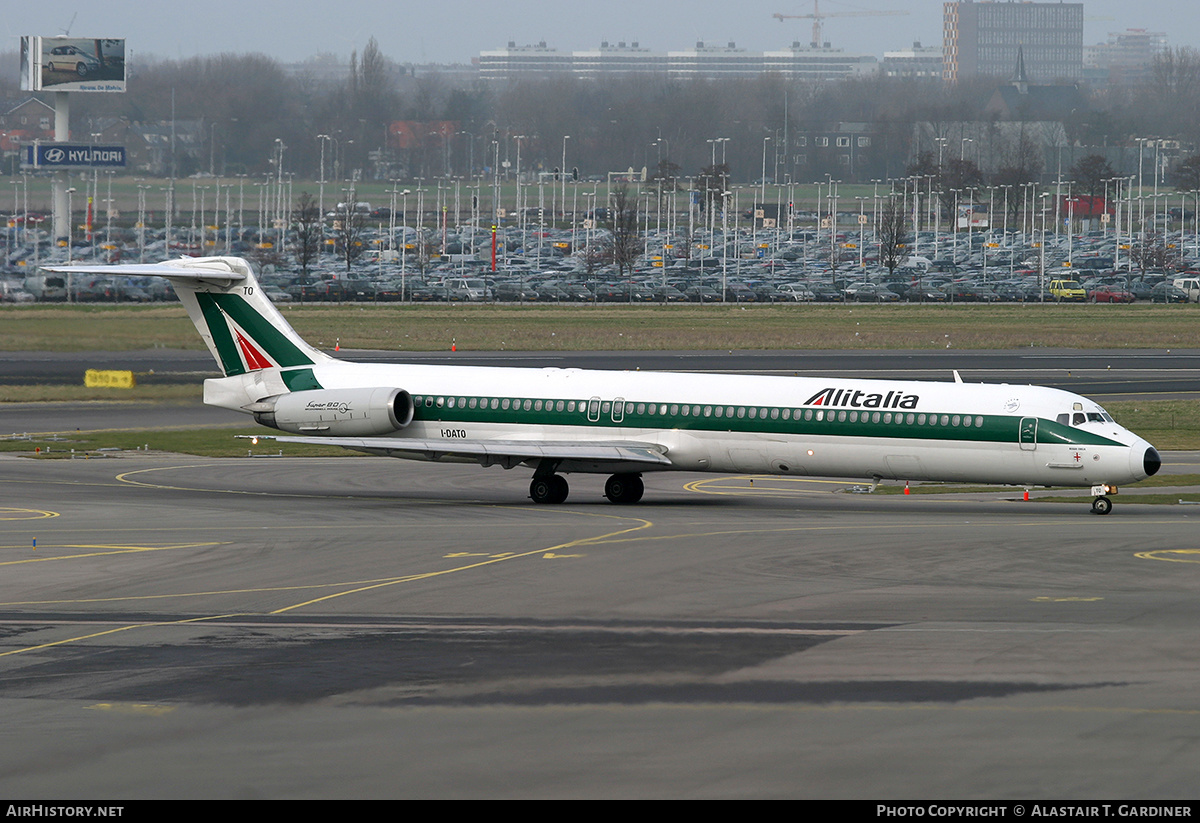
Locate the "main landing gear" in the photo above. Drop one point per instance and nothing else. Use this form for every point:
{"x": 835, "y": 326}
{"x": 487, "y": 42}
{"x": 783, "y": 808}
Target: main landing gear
{"x": 552, "y": 489}
{"x": 624, "y": 488}
{"x": 620, "y": 488}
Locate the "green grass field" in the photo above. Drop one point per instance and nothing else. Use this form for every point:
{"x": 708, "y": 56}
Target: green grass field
{"x": 629, "y": 328}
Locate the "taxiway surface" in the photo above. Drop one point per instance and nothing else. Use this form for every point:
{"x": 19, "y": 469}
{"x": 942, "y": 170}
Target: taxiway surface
{"x": 364, "y": 627}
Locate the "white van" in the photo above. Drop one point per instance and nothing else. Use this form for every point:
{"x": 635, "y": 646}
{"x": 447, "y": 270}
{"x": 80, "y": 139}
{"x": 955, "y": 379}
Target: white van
{"x": 1191, "y": 285}
{"x": 917, "y": 262}
{"x": 474, "y": 289}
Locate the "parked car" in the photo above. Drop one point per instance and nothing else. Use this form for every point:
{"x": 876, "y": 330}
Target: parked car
{"x": 1166, "y": 293}
{"x": 1067, "y": 291}
{"x": 70, "y": 58}
{"x": 1110, "y": 294}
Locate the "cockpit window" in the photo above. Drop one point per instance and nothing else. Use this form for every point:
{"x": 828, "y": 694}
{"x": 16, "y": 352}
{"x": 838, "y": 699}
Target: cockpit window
{"x": 1094, "y": 417}
{"x": 1065, "y": 419}
{"x": 1078, "y": 419}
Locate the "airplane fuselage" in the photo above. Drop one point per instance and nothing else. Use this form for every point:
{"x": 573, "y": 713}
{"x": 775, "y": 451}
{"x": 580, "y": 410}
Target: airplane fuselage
{"x": 901, "y": 430}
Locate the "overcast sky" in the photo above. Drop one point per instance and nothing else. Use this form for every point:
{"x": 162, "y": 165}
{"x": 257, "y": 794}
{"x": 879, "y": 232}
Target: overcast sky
{"x": 449, "y": 31}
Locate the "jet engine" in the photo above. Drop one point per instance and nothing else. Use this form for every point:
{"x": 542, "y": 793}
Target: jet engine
{"x": 337, "y": 412}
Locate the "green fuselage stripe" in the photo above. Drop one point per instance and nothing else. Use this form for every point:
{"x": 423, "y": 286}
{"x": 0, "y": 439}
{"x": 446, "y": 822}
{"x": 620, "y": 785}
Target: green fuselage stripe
{"x": 835, "y": 421}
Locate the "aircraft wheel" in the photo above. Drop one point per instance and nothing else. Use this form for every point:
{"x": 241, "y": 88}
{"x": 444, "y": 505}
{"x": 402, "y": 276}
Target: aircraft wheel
{"x": 553, "y": 489}
{"x": 1101, "y": 505}
{"x": 624, "y": 488}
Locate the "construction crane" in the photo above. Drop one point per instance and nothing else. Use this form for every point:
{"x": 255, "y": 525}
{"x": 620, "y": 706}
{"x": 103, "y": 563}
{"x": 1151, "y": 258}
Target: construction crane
{"x": 817, "y": 17}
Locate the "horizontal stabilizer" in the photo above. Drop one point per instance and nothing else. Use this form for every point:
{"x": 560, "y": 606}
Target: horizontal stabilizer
{"x": 185, "y": 269}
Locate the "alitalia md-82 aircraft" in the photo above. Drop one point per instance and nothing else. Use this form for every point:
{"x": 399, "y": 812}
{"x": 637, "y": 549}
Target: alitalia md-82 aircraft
{"x": 623, "y": 424}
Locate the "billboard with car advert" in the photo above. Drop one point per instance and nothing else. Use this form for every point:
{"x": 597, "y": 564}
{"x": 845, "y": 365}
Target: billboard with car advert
{"x": 72, "y": 64}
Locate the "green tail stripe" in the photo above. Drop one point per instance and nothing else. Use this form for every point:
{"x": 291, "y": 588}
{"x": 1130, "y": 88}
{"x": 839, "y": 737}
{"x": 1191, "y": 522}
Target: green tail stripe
{"x": 272, "y": 341}
{"x": 300, "y": 380}
{"x": 231, "y": 359}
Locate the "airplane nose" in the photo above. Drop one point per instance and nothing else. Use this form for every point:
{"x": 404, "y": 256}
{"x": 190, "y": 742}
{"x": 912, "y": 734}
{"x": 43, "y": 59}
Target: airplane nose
{"x": 1151, "y": 463}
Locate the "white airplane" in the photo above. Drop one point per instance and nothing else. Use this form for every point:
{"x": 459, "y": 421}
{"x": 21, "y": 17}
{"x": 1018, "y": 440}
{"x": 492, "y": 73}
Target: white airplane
{"x": 620, "y": 423}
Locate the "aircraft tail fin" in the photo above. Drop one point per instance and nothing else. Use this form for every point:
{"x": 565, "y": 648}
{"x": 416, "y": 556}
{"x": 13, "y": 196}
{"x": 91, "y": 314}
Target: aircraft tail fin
{"x": 242, "y": 328}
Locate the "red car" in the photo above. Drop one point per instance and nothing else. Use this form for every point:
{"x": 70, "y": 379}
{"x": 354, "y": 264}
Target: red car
{"x": 1110, "y": 294}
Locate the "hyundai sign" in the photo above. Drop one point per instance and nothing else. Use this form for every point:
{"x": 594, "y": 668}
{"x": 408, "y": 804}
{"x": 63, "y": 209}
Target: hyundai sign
{"x": 73, "y": 156}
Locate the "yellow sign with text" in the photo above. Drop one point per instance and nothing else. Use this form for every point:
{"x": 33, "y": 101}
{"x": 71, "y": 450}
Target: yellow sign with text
{"x": 108, "y": 379}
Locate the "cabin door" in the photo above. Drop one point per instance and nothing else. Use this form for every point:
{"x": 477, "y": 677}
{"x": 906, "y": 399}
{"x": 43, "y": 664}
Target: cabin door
{"x": 1027, "y": 434}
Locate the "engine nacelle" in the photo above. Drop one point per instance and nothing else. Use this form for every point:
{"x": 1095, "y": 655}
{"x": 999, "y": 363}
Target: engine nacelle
{"x": 337, "y": 412}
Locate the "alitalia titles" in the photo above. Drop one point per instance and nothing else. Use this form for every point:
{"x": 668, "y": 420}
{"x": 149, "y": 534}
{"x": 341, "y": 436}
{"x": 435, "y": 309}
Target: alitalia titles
{"x": 857, "y": 399}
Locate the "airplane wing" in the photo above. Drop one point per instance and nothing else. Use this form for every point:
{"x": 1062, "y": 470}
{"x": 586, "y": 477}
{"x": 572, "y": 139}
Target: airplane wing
{"x": 603, "y": 455}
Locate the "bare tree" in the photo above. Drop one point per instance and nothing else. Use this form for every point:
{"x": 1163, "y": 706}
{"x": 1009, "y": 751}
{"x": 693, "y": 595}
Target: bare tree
{"x": 1152, "y": 251}
{"x": 893, "y": 234}
{"x": 712, "y": 184}
{"x": 1091, "y": 172}
{"x": 626, "y": 242}
{"x": 348, "y": 225}
{"x": 426, "y": 250}
{"x": 307, "y": 232}
{"x": 1020, "y": 164}
{"x": 1186, "y": 175}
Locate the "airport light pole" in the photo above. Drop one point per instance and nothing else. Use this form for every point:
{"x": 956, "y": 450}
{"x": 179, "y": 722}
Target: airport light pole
{"x": 762, "y": 196}
{"x": 563, "y": 177}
